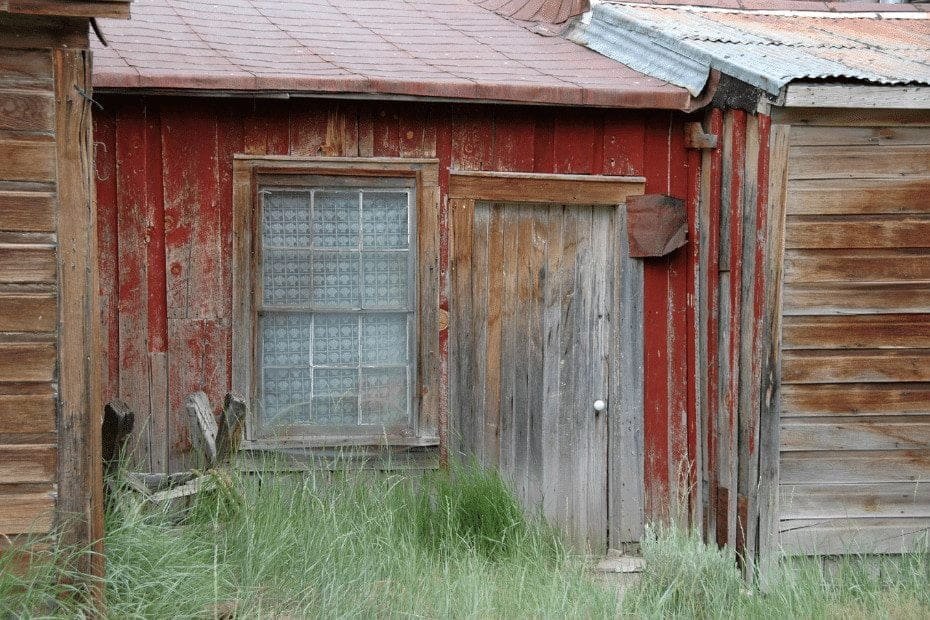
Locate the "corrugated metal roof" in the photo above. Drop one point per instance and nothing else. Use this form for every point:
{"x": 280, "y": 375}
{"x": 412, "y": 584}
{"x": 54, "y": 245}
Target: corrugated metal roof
{"x": 765, "y": 48}
{"x": 451, "y": 49}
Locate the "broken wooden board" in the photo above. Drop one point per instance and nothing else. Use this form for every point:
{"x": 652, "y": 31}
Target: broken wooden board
{"x": 202, "y": 426}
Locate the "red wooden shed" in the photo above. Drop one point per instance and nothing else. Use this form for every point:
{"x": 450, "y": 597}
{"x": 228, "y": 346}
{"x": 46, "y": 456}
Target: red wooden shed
{"x": 479, "y": 298}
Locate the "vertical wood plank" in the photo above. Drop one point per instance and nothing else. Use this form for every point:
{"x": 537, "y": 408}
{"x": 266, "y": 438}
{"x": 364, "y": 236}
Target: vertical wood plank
{"x": 536, "y": 274}
{"x": 108, "y": 244}
{"x": 478, "y": 345}
{"x": 80, "y": 475}
{"x": 131, "y": 171}
{"x": 460, "y": 327}
{"x": 626, "y": 481}
{"x": 552, "y": 432}
{"x": 496, "y": 287}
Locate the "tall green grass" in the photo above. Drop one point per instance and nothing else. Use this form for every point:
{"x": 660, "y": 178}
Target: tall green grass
{"x": 444, "y": 545}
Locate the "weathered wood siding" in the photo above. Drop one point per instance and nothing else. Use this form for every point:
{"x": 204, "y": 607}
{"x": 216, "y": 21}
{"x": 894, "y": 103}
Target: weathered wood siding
{"x": 164, "y": 192}
{"x": 855, "y": 370}
{"x": 49, "y": 397}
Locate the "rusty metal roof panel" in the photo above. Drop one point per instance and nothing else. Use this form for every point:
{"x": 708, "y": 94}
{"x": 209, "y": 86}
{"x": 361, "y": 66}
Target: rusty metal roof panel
{"x": 763, "y": 47}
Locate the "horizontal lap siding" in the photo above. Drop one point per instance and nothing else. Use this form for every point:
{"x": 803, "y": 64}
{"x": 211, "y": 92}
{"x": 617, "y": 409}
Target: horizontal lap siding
{"x": 855, "y": 400}
{"x": 164, "y": 196}
{"x": 28, "y": 299}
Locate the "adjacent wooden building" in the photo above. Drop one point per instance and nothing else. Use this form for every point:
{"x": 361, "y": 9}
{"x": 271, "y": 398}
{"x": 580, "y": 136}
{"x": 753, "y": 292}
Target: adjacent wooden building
{"x": 812, "y": 302}
{"x": 50, "y": 400}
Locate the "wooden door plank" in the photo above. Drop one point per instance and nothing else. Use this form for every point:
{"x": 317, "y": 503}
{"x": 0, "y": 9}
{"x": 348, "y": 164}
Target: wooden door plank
{"x": 496, "y": 287}
{"x": 856, "y": 298}
{"x": 570, "y": 324}
{"x": 867, "y": 399}
{"x": 525, "y": 283}
{"x": 875, "y": 331}
{"x": 474, "y": 429}
{"x": 855, "y": 366}
{"x": 838, "y": 467}
{"x": 552, "y": 431}
{"x": 838, "y": 501}
{"x": 535, "y": 251}
{"x": 626, "y": 478}
{"x": 858, "y": 196}
{"x": 858, "y": 433}
{"x": 461, "y": 212}
{"x": 873, "y": 231}
{"x": 887, "y": 265}
{"x": 510, "y": 345}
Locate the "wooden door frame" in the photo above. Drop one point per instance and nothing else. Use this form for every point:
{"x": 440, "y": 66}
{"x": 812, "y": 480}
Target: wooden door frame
{"x": 625, "y": 424}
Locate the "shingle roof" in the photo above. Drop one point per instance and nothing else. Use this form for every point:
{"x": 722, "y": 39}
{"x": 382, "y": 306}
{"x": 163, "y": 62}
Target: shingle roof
{"x": 766, "y": 44}
{"x": 451, "y": 49}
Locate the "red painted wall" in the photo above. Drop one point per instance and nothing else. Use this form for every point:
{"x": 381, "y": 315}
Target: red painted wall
{"x": 164, "y": 199}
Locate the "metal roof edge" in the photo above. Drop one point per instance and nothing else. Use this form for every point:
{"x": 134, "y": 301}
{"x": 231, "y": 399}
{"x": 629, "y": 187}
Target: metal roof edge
{"x": 626, "y": 40}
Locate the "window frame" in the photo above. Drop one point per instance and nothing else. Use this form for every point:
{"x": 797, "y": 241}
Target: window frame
{"x": 422, "y": 176}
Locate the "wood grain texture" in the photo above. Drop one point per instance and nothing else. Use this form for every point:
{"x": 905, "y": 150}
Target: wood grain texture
{"x": 23, "y": 211}
{"x": 846, "y": 298}
{"x": 26, "y": 110}
{"x": 857, "y": 162}
{"x": 886, "y": 265}
{"x": 832, "y": 232}
{"x": 27, "y": 158}
{"x": 858, "y": 196}
{"x": 833, "y": 501}
{"x": 858, "y": 433}
{"x": 868, "y": 331}
{"x": 29, "y": 362}
{"x": 854, "y": 467}
{"x": 855, "y": 366}
{"x": 80, "y": 472}
{"x": 27, "y": 264}
{"x": 27, "y": 512}
{"x": 878, "y": 136}
{"x": 28, "y": 312}
{"x": 857, "y": 536}
{"x": 26, "y": 69}
{"x": 28, "y": 464}
{"x": 868, "y": 399}
{"x": 27, "y": 414}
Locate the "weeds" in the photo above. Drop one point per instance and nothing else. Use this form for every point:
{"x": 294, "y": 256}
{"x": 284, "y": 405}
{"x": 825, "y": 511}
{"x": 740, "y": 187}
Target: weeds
{"x": 447, "y": 545}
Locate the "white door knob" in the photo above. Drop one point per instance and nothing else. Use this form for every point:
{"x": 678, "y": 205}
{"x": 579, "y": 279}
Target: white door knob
{"x": 599, "y": 405}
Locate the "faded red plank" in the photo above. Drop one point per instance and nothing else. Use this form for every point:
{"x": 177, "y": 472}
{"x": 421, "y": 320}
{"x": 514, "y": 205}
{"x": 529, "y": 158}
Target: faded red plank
{"x": 444, "y": 154}
{"x": 196, "y": 291}
{"x": 514, "y": 140}
{"x": 578, "y": 142}
{"x": 655, "y": 335}
{"x": 107, "y": 242}
{"x": 265, "y": 127}
{"x": 417, "y": 131}
{"x": 472, "y": 137}
{"x": 308, "y": 119}
{"x": 715, "y": 126}
{"x": 131, "y": 170}
{"x": 385, "y": 122}
{"x": 624, "y": 143}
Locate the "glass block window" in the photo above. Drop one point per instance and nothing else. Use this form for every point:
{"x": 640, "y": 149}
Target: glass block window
{"x": 336, "y": 309}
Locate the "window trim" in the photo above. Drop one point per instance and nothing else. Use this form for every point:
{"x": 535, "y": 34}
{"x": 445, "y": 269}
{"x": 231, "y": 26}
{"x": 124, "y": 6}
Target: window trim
{"x": 251, "y": 171}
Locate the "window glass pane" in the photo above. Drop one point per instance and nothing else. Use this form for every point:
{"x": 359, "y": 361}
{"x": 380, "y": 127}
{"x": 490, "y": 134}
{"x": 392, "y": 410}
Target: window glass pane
{"x": 335, "y": 399}
{"x": 285, "y": 395}
{"x": 286, "y": 277}
{"x": 384, "y": 220}
{"x": 286, "y": 339}
{"x": 335, "y": 340}
{"x": 286, "y": 219}
{"x": 384, "y": 339}
{"x": 335, "y": 219}
{"x": 335, "y": 279}
{"x": 384, "y": 279}
{"x": 384, "y": 396}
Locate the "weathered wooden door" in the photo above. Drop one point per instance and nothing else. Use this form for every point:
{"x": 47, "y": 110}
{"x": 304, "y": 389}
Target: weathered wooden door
{"x": 535, "y": 309}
